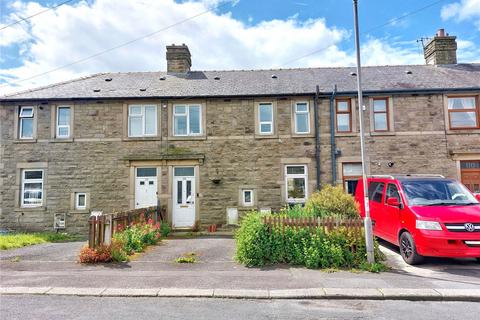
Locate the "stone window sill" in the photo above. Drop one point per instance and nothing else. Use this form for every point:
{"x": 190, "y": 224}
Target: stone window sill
{"x": 175, "y": 138}
{"x": 463, "y": 131}
{"x": 386, "y": 133}
{"x": 25, "y": 141}
{"x": 347, "y": 134}
{"x": 30, "y": 209}
{"x": 157, "y": 138}
{"x": 59, "y": 140}
{"x": 266, "y": 136}
{"x": 305, "y": 135}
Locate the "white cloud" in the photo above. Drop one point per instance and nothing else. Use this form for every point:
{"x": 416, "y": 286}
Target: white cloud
{"x": 216, "y": 41}
{"x": 462, "y": 11}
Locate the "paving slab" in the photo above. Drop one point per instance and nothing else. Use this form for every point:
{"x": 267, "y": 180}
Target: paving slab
{"x": 75, "y": 291}
{"x": 352, "y": 293}
{"x": 24, "y": 290}
{"x": 129, "y": 292}
{"x": 410, "y": 294}
{"x": 241, "y": 294}
{"x": 185, "y": 292}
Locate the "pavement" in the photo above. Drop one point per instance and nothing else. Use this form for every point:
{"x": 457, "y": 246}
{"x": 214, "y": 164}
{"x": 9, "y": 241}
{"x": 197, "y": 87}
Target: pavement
{"x": 52, "y": 269}
{"x": 118, "y": 308}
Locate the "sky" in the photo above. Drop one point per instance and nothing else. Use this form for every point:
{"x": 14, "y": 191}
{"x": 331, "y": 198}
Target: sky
{"x": 84, "y": 37}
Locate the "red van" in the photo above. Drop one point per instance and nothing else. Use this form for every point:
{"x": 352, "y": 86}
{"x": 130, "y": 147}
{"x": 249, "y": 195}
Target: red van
{"x": 425, "y": 215}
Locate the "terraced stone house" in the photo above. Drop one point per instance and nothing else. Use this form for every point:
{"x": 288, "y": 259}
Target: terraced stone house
{"x": 211, "y": 145}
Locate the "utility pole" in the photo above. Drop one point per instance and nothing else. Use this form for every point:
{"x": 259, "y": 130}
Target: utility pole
{"x": 367, "y": 220}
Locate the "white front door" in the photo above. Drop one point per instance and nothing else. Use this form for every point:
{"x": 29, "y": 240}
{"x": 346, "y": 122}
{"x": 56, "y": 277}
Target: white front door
{"x": 184, "y": 196}
{"x": 145, "y": 187}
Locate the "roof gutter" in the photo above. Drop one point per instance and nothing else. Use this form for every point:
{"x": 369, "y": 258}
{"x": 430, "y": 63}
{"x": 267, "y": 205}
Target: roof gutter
{"x": 321, "y": 95}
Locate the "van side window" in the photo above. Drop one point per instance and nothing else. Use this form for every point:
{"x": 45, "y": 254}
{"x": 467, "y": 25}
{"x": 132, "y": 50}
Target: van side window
{"x": 375, "y": 191}
{"x": 392, "y": 192}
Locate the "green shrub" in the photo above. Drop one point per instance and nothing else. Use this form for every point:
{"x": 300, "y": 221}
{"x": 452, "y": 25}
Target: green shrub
{"x": 332, "y": 201}
{"x": 165, "y": 229}
{"x": 259, "y": 245}
{"x": 118, "y": 252}
{"x": 297, "y": 211}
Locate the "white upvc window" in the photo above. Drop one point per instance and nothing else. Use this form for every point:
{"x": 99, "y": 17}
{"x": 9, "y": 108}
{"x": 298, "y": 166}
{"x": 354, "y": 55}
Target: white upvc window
{"x": 63, "y": 121}
{"x": 80, "y": 201}
{"x": 142, "y": 120}
{"x": 32, "y": 188}
{"x": 296, "y": 183}
{"x": 187, "y": 120}
{"x": 265, "y": 118}
{"x": 247, "y": 197}
{"x": 302, "y": 118}
{"x": 25, "y": 122}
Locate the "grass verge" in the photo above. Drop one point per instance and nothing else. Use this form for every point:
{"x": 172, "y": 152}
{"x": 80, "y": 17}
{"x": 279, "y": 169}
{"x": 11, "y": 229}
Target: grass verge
{"x": 18, "y": 240}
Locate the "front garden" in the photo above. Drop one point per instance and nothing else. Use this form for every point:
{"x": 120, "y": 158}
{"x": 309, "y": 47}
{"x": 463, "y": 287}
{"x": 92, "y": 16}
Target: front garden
{"x": 126, "y": 241}
{"x": 293, "y": 240}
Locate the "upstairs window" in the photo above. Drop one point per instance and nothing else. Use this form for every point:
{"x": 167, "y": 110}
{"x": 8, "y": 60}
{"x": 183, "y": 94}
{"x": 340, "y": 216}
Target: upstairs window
{"x": 187, "y": 120}
{"x": 142, "y": 120}
{"x": 25, "y": 122}
{"x": 265, "y": 118}
{"x": 32, "y": 188}
{"x": 380, "y": 115}
{"x": 296, "y": 183}
{"x": 343, "y": 111}
{"x": 463, "y": 113}
{"x": 63, "y": 122}
{"x": 302, "y": 118}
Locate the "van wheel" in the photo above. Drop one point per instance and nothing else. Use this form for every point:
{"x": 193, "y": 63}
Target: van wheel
{"x": 408, "y": 249}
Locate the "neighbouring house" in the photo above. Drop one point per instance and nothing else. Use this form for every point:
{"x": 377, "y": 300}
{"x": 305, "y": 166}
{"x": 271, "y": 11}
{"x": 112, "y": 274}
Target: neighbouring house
{"x": 211, "y": 145}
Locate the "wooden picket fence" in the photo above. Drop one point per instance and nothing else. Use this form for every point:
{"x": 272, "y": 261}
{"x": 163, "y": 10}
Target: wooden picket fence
{"x": 328, "y": 224}
{"x": 103, "y": 227}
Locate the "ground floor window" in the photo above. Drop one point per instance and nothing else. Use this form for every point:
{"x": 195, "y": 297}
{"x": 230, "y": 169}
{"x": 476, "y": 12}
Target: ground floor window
{"x": 351, "y": 173}
{"x": 470, "y": 174}
{"x": 32, "y": 188}
{"x": 296, "y": 183}
{"x": 247, "y": 196}
{"x": 80, "y": 200}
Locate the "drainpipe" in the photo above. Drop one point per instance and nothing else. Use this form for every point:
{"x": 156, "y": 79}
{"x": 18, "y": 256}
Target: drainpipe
{"x": 317, "y": 135}
{"x": 332, "y": 136}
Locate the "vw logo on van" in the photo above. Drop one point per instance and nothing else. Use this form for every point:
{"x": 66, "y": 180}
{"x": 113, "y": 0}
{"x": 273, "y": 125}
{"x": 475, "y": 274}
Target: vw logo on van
{"x": 469, "y": 227}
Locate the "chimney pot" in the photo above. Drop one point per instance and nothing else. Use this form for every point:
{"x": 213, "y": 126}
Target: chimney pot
{"x": 442, "y": 49}
{"x": 178, "y": 59}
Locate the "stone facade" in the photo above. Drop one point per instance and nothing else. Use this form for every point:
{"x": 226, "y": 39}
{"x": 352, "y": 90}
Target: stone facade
{"x": 100, "y": 158}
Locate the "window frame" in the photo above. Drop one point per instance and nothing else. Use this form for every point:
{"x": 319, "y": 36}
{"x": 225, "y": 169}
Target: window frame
{"x": 20, "y": 118}
{"x": 187, "y": 115}
{"x": 386, "y": 192}
{"x": 296, "y": 112}
{"x": 22, "y": 188}
{"x": 349, "y": 112}
{"x": 252, "y": 201}
{"x": 272, "y": 122}
{"x": 77, "y": 197}
{"x": 476, "y": 110}
{"x": 144, "y": 119}
{"x": 293, "y": 176}
{"x": 346, "y": 178}
{"x": 386, "y": 112}
{"x": 68, "y": 126}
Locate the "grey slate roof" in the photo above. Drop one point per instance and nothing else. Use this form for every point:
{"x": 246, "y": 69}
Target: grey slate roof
{"x": 257, "y": 82}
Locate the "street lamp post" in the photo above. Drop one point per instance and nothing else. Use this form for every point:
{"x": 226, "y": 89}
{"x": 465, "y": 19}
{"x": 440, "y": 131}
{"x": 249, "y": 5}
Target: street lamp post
{"x": 367, "y": 220}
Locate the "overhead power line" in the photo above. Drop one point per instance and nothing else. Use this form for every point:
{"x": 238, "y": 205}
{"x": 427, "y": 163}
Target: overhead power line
{"x": 119, "y": 45}
{"x": 196, "y": 16}
{"x": 34, "y": 15}
{"x": 388, "y": 22}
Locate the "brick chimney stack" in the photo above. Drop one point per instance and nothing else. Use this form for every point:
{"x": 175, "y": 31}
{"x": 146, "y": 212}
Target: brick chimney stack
{"x": 442, "y": 49}
{"x": 178, "y": 59}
